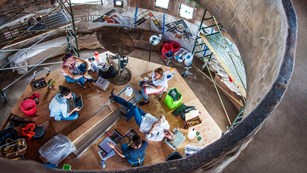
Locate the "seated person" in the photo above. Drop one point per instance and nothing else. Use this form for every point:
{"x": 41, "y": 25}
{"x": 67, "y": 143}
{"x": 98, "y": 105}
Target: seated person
{"x": 58, "y": 105}
{"x": 153, "y": 128}
{"x": 74, "y": 69}
{"x": 134, "y": 152}
{"x": 156, "y": 84}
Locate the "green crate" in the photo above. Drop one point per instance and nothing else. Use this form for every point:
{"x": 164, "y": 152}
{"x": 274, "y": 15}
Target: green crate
{"x": 173, "y": 100}
{"x": 66, "y": 167}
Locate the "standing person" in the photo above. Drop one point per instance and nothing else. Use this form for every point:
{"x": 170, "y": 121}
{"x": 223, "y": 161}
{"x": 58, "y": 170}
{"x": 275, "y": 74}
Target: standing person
{"x": 74, "y": 69}
{"x": 58, "y": 105}
{"x": 157, "y": 84}
{"x": 134, "y": 152}
{"x": 154, "y": 129}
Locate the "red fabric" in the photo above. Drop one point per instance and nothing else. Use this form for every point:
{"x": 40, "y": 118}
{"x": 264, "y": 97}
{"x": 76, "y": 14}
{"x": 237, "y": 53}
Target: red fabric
{"x": 34, "y": 96}
{"x": 230, "y": 79}
{"x": 28, "y": 131}
{"x": 28, "y": 107}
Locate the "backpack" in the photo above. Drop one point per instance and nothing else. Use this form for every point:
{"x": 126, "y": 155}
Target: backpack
{"x": 8, "y": 133}
{"x": 111, "y": 72}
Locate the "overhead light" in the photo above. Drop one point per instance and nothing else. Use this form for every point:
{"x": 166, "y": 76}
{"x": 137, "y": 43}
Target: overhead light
{"x": 155, "y": 40}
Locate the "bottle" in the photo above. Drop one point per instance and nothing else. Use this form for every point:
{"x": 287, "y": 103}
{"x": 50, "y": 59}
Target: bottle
{"x": 192, "y": 133}
{"x": 170, "y": 73}
{"x": 96, "y": 55}
{"x": 103, "y": 164}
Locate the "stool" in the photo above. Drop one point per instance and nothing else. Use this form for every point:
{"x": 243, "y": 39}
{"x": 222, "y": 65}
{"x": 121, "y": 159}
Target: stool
{"x": 168, "y": 56}
{"x": 186, "y": 72}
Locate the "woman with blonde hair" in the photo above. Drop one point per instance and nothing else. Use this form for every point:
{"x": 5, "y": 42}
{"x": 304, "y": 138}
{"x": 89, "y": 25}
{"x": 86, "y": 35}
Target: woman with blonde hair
{"x": 155, "y": 85}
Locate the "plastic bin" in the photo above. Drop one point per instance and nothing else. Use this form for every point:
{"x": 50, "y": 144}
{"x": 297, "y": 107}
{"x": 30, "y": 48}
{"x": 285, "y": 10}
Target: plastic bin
{"x": 180, "y": 54}
{"x": 176, "y": 46}
{"x": 166, "y": 47}
{"x": 66, "y": 167}
{"x": 173, "y": 98}
{"x": 188, "y": 60}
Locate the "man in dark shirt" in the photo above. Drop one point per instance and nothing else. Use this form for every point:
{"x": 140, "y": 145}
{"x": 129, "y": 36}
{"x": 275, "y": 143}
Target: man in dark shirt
{"x": 134, "y": 152}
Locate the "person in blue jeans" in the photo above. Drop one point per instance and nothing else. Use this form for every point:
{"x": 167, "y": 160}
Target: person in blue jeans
{"x": 74, "y": 69}
{"x": 134, "y": 152}
{"x": 156, "y": 83}
{"x": 154, "y": 129}
{"x": 58, "y": 105}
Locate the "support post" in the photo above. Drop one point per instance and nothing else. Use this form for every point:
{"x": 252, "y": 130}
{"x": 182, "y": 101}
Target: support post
{"x": 74, "y": 28}
{"x": 135, "y": 16}
{"x": 163, "y": 24}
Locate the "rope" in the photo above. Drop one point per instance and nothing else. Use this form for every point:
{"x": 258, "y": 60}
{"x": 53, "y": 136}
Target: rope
{"x": 218, "y": 93}
{"x": 11, "y": 68}
{"x": 15, "y": 50}
{"x": 219, "y": 86}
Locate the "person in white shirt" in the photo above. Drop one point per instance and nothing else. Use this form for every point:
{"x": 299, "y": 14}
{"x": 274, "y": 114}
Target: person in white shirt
{"x": 156, "y": 84}
{"x": 155, "y": 129}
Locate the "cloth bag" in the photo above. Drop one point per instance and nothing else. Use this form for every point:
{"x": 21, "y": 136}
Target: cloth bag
{"x": 57, "y": 149}
{"x": 13, "y": 148}
{"x": 8, "y": 133}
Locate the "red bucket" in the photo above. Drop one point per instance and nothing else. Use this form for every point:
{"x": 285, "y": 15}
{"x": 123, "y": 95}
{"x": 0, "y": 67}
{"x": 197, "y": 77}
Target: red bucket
{"x": 166, "y": 48}
{"x": 176, "y": 46}
{"x": 28, "y": 107}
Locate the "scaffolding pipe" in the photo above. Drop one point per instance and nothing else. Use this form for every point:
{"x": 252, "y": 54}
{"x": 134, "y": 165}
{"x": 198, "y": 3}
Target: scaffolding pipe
{"x": 63, "y": 5}
{"x": 36, "y": 65}
{"x": 25, "y": 50}
{"x": 15, "y": 50}
{"x": 218, "y": 93}
{"x": 28, "y": 66}
{"x": 29, "y": 28}
{"x": 23, "y": 7}
{"x": 73, "y": 26}
{"x": 219, "y": 86}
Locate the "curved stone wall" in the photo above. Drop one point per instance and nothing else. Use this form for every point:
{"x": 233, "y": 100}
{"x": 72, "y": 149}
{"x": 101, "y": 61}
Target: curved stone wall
{"x": 259, "y": 29}
{"x": 265, "y": 33}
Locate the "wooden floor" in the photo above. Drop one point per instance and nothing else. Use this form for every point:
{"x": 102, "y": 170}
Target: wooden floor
{"x": 95, "y": 98}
